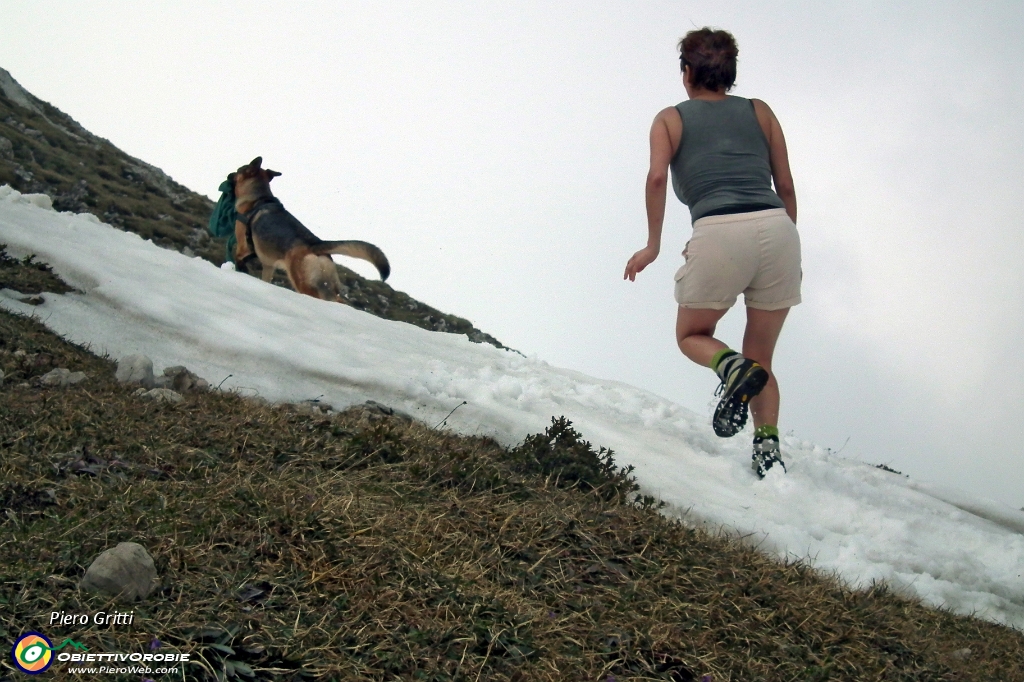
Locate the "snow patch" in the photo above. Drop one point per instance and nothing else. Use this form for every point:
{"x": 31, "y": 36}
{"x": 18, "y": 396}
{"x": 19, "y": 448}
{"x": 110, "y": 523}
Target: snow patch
{"x": 863, "y": 523}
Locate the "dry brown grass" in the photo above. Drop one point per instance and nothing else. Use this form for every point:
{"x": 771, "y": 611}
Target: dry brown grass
{"x": 366, "y": 546}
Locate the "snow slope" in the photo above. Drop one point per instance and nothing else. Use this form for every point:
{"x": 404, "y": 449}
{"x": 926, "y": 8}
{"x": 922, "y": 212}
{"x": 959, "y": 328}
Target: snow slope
{"x": 866, "y": 524}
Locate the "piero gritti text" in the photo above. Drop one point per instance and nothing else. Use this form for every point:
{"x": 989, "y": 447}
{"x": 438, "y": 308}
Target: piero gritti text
{"x": 63, "y": 618}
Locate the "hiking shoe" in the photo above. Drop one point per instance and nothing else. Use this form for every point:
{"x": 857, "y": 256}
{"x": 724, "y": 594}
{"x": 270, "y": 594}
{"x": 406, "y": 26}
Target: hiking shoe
{"x": 744, "y": 380}
{"x": 766, "y": 454}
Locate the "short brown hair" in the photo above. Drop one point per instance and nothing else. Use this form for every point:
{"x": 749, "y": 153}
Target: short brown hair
{"x": 711, "y": 56}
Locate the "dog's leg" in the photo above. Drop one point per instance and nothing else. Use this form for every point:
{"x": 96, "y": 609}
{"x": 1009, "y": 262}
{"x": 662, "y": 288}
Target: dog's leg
{"x": 242, "y": 250}
{"x": 300, "y": 265}
{"x": 268, "y": 271}
{"x": 323, "y": 274}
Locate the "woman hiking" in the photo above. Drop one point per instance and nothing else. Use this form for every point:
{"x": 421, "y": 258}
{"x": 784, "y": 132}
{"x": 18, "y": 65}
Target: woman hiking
{"x": 724, "y": 153}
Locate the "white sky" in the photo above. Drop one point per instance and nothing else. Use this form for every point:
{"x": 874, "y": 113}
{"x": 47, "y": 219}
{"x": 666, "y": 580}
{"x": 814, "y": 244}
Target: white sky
{"x": 942, "y": 546}
{"x": 497, "y": 154}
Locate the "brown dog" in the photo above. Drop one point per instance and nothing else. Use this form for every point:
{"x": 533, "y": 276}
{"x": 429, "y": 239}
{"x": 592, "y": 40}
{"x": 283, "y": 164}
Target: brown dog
{"x": 281, "y": 241}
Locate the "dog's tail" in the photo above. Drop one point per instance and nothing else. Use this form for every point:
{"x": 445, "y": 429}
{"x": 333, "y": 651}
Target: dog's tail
{"x": 356, "y": 249}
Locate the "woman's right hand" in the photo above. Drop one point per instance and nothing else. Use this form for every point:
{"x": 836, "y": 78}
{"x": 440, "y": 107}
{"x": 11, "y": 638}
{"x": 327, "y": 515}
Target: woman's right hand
{"x": 640, "y": 260}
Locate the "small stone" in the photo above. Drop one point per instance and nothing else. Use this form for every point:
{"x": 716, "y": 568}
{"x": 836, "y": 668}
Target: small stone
{"x": 37, "y": 362}
{"x": 961, "y": 654}
{"x": 125, "y": 571}
{"x": 374, "y": 406}
{"x": 162, "y": 395}
{"x": 76, "y": 378}
{"x": 182, "y": 380}
{"x": 1, "y": 378}
{"x": 135, "y": 369}
{"x": 55, "y": 377}
{"x": 383, "y": 409}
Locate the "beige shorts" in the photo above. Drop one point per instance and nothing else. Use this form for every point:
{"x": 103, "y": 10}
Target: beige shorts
{"x": 756, "y": 254}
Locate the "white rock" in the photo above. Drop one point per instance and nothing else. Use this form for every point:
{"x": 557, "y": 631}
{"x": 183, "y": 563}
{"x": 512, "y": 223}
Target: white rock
{"x": 76, "y": 378}
{"x": 135, "y": 369}
{"x": 162, "y": 395}
{"x": 125, "y": 571}
{"x": 55, "y": 377}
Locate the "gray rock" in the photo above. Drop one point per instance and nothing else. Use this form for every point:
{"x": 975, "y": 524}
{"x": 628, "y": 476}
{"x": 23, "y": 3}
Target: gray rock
{"x": 61, "y": 377}
{"x": 1, "y": 378}
{"x": 135, "y": 369}
{"x": 55, "y": 377}
{"x": 313, "y": 408}
{"x": 182, "y": 380}
{"x": 381, "y": 407}
{"x": 126, "y": 572}
{"x": 160, "y": 395}
{"x": 373, "y": 411}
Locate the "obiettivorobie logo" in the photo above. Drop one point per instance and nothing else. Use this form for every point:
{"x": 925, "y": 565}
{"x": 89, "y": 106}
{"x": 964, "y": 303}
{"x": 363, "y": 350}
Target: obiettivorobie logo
{"x": 33, "y": 652}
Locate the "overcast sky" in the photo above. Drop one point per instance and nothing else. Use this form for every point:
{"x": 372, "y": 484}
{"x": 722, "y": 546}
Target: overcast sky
{"x": 498, "y": 154}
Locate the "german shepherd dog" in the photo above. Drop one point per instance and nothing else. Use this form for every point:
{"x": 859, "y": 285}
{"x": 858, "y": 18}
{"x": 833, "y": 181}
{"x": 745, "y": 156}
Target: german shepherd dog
{"x": 281, "y": 241}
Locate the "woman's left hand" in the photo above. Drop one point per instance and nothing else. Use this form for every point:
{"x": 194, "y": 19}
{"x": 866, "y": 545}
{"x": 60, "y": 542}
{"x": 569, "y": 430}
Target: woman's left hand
{"x": 640, "y": 260}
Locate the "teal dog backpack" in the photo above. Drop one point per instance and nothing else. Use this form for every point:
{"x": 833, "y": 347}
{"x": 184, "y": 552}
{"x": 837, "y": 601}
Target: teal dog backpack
{"x": 222, "y": 221}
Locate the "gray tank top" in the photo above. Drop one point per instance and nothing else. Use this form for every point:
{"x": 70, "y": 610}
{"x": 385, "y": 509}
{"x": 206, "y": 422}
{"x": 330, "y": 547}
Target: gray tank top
{"x": 722, "y": 163}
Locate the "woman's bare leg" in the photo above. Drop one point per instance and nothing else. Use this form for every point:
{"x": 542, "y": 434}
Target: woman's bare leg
{"x": 762, "y": 332}
{"x": 695, "y": 333}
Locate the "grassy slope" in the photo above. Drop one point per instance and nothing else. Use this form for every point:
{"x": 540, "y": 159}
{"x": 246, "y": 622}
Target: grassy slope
{"x": 366, "y": 546}
{"x": 50, "y": 153}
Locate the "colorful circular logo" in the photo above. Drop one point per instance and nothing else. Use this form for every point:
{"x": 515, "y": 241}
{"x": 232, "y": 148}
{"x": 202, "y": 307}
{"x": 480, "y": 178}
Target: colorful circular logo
{"x": 32, "y": 653}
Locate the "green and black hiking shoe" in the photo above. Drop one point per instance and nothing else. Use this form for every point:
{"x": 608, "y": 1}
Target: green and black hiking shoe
{"x": 766, "y": 454}
{"x": 742, "y": 379}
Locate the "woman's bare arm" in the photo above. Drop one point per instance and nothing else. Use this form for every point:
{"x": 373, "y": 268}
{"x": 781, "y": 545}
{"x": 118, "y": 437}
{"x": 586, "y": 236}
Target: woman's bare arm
{"x": 782, "y": 176}
{"x": 666, "y": 131}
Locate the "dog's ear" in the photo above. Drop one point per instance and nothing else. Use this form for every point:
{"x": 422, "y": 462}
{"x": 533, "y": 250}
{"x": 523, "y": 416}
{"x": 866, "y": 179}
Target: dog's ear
{"x": 231, "y": 177}
{"x": 271, "y": 175}
{"x": 256, "y": 163}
